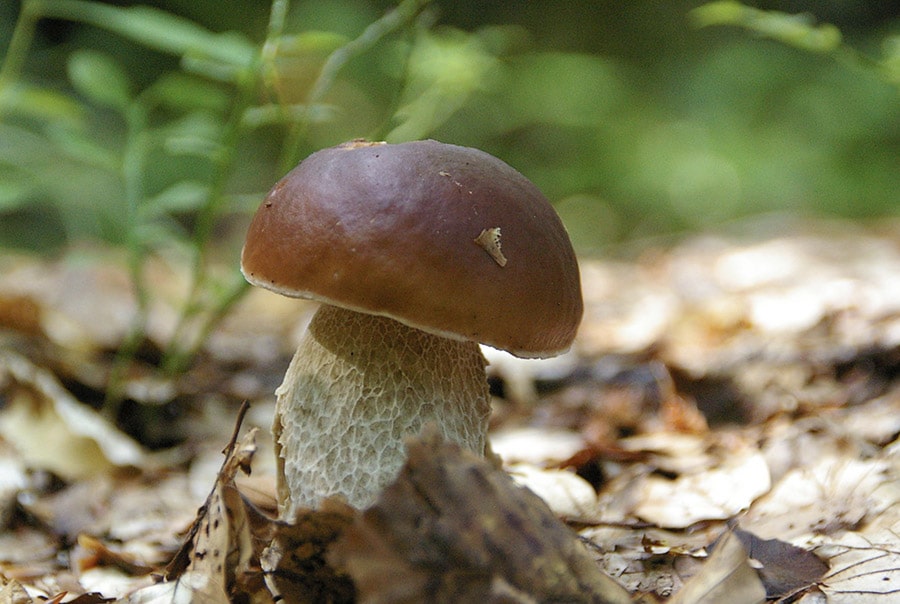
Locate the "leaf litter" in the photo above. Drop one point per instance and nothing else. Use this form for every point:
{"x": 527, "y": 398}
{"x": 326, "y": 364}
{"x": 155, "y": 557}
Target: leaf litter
{"x": 726, "y": 426}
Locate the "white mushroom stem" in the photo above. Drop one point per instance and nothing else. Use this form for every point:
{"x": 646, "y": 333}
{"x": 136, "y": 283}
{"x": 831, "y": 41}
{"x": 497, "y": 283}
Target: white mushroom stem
{"x": 357, "y": 386}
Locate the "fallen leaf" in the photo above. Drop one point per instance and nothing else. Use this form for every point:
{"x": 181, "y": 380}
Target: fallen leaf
{"x": 520, "y": 376}
{"x": 568, "y": 495}
{"x": 833, "y": 495}
{"x": 536, "y": 446}
{"x": 52, "y": 430}
{"x": 12, "y": 592}
{"x": 295, "y": 565}
{"x": 453, "y": 528}
{"x": 220, "y": 545}
{"x": 189, "y": 588}
{"x": 715, "y": 494}
{"x": 13, "y": 480}
{"x": 90, "y": 598}
{"x": 725, "y": 577}
{"x": 783, "y": 568}
{"x": 865, "y": 569}
{"x": 90, "y": 552}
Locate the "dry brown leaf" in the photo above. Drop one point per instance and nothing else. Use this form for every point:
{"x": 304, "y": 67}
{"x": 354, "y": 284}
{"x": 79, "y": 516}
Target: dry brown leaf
{"x": 90, "y": 552}
{"x": 295, "y": 564}
{"x": 783, "y": 568}
{"x": 90, "y": 598}
{"x": 221, "y": 546}
{"x": 726, "y": 577}
{"x": 20, "y": 313}
{"x": 453, "y": 528}
{"x": 671, "y": 452}
{"x": 51, "y": 430}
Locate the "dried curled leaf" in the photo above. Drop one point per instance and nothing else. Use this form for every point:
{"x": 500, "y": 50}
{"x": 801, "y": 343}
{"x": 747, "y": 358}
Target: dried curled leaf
{"x": 726, "y": 577}
{"x": 489, "y": 240}
{"x": 783, "y": 568}
{"x": 52, "y": 430}
{"x": 220, "y": 546}
{"x": 12, "y": 592}
{"x": 453, "y": 528}
{"x": 295, "y": 564}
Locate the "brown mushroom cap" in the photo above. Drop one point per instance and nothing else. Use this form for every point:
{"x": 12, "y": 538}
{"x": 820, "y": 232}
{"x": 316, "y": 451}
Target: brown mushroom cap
{"x": 447, "y": 239}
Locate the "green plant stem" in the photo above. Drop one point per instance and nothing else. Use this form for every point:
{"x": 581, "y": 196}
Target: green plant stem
{"x": 19, "y": 43}
{"x": 179, "y": 354}
{"x": 396, "y": 18}
{"x": 132, "y": 168}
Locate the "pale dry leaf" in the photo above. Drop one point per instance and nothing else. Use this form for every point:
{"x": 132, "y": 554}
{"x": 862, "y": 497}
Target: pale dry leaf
{"x": 725, "y": 577}
{"x": 864, "y": 568}
{"x": 27, "y": 551}
{"x": 189, "y": 588}
{"x": 650, "y": 560}
{"x": 834, "y": 494}
{"x": 13, "y": 480}
{"x": 536, "y": 446}
{"x": 212, "y": 543}
{"x": 875, "y": 421}
{"x": 715, "y": 302}
{"x": 714, "y": 494}
{"x": 52, "y": 430}
{"x": 570, "y": 496}
{"x": 671, "y": 452}
{"x": 112, "y": 582}
{"x": 69, "y": 296}
{"x": 625, "y": 309}
{"x": 639, "y": 573}
{"x": 223, "y": 544}
{"x": 220, "y": 546}
{"x": 520, "y": 375}
{"x": 71, "y": 293}
{"x": 145, "y": 514}
{"x": 12, "y": 592}
{"x": 261, "y": 329}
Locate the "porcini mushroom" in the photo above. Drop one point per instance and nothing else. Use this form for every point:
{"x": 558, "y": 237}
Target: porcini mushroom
{"x": 418, "y": 251}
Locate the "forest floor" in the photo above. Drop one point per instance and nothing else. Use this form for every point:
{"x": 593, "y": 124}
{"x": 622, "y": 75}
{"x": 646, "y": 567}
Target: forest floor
{"x": 726, "y": 425}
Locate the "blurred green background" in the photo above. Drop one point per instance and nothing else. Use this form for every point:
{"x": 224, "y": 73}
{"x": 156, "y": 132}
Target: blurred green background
{"x": 635, "y": 122}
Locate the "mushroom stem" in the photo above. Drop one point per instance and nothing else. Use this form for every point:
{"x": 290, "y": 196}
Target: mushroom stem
{"x": 356, "y": 387}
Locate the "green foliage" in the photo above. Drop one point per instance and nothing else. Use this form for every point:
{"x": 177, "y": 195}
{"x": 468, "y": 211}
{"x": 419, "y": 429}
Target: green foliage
{"x": 99, "y": 78}
{"x": 799, "y": 31}
{"x": 148, "y": 166}
{"x": 160, "y": 134}
{"x": 796, "y": 30}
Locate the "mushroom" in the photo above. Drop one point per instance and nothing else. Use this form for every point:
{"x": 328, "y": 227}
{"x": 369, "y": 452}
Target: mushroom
{"x": 418, "y": 251}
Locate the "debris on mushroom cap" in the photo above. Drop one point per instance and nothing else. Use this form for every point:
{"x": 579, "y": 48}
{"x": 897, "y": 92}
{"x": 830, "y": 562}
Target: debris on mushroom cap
{"x": 387, "y": 229}
{"x": 489, "y": 239}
